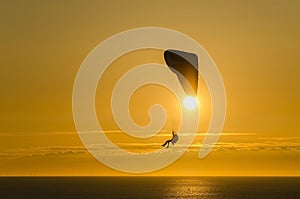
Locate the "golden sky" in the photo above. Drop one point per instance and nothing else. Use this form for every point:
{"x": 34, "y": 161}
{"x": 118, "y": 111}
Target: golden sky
{"x": 255, "y": 45}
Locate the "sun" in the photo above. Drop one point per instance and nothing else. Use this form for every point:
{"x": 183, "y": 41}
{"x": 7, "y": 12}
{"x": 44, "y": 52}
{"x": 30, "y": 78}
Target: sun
{"x": 190, "y": 102}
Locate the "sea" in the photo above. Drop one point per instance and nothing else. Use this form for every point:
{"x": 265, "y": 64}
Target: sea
{"x": 150, "y": 187}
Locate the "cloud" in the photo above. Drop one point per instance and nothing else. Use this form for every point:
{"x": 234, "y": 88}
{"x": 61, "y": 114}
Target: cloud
{"x": 260, "y": 144}
{"x": 44, "y": 151}
{"x": 160, "y": 133}
{"x": 227, "y": 142}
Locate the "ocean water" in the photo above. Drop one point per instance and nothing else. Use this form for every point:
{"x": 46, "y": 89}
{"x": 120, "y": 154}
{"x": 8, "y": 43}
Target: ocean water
{"x": 150, "y": 187}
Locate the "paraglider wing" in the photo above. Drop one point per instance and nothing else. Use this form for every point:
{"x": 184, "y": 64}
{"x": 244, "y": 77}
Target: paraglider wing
{"x": 185, "y": 66}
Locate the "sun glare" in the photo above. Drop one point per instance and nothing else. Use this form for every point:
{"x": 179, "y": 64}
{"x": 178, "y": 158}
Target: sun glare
{"x": 190, "y": 103}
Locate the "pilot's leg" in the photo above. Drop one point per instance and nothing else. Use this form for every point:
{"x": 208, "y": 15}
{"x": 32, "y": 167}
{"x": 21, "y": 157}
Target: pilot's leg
{"x": 165, "y": 143}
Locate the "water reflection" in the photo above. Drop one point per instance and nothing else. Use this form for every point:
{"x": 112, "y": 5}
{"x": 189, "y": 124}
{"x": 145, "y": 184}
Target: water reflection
{"x": 188, "y": 187}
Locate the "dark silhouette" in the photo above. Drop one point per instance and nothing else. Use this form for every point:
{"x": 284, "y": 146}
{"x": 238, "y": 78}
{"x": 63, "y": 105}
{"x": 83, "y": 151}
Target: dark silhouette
{"x": 173, "y": 140}
{"x": 185, "y": 67}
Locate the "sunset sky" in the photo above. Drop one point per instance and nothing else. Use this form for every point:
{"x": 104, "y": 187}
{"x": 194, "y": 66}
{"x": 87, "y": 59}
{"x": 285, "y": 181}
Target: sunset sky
{"x": 255, "y": 45}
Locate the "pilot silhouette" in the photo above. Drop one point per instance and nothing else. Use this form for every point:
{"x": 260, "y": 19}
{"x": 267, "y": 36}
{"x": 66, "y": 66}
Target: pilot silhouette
{"x": 173, "y": 140}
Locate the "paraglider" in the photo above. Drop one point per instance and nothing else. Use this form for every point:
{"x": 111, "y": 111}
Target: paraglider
{"x": 173, "y": 140}
{"x": 185, "y": 66}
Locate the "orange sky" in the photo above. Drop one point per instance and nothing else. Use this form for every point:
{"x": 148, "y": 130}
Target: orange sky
{"x": 254, "y": 44}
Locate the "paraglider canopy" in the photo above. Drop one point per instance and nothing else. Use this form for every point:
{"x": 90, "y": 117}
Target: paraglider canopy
{"x": 185, "y": 66}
